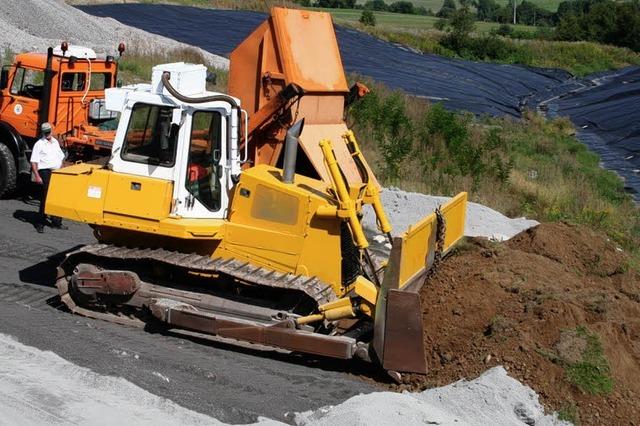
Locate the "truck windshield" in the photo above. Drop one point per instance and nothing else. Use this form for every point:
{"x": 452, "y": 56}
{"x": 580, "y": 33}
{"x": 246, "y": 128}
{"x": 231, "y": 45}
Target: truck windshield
{"x": 28, "y": 82}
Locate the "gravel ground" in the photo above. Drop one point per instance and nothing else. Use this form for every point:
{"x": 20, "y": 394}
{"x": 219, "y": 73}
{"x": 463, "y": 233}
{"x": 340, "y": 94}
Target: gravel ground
{"x": 493, "y": 398}
{"x": 34, "y": 25}
{"x": 406, "y": 208}
{"x": 39, "y": 387}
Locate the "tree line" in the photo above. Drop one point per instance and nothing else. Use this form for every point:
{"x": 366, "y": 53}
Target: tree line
{"x": 603, "y": 21}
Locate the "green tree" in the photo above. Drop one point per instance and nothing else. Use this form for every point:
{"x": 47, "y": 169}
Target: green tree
{"x": 487, "y": 10}
{"x": 569, "y": 29}
{"x": 337, "y": 4}
{"x": 448, "y": 8}
{"x": 376, "y": 5}
{"x": 402, "y": 7}
{"x": 461, "y": 24}
{"x": 628, "y": 25}
{"x": 368, "y": 18}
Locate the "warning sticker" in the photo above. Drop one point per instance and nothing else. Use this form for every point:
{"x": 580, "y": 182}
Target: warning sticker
{"x": 94, "y": 192}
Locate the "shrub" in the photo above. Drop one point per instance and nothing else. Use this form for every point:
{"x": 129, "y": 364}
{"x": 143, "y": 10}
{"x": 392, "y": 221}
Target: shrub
{"x": 390, "y": 128}
{"x": 491, "y": 47}
{"x": 504, "y": 30}
{"x": 368, "y": 18}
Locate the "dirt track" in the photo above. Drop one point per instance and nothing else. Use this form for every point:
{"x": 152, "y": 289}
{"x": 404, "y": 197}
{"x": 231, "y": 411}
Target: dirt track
{"x": 232, "y": 384}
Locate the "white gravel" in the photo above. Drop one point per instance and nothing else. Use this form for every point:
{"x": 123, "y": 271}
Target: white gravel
{"x": 494, "y": 398}
{"x": 407, "y": 208}
{"x": 34, "y": 25}
{"x": 38, "y": 387}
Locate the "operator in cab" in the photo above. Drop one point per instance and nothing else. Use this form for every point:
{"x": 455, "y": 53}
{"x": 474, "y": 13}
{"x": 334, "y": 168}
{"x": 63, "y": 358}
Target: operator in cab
{"x": 46, "y": 157}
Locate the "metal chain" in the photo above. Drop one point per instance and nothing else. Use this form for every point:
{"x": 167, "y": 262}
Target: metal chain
{"x": 441, "y": 231}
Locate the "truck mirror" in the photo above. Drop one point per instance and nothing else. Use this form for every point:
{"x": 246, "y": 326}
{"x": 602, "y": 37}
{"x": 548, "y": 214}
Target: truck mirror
{"x": 4, "y": 78}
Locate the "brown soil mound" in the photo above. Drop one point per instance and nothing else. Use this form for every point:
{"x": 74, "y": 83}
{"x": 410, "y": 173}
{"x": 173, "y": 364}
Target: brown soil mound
{"x": 518, "y": 304}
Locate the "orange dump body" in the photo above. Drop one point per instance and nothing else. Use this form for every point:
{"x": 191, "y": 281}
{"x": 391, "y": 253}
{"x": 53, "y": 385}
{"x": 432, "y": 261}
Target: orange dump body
{"x": 293, "y": 47}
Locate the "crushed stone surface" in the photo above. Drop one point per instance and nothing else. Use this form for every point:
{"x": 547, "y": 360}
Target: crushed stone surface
{"x": 493, "y": 398}
{"x": 406, "y": 208}
{"x": 39, "y": 387}
{"x": 35, "y": 25}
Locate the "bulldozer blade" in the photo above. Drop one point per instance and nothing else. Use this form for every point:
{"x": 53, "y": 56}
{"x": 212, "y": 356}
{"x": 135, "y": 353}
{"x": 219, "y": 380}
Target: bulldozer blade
{"x": 397, "y": 332}
{"x": 403, "y": 341}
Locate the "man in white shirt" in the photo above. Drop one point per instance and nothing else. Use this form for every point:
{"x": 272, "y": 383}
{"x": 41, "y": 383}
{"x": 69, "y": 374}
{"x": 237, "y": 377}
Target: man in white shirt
{"x": 46, "y": 156}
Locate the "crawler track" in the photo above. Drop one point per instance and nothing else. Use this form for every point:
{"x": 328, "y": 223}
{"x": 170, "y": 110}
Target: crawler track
{"x": 244, "y": 272}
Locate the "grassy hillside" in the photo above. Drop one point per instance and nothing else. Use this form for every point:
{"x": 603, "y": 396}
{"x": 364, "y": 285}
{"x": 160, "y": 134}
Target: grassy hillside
{"x": 532, "y": 167}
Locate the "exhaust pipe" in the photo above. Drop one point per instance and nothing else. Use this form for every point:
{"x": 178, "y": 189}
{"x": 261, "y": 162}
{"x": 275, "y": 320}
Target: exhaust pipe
{"x": 45, "y": 103}
{"x": 291, "y": 151}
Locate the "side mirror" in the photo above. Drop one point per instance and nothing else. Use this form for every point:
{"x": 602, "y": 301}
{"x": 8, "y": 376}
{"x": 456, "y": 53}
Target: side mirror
{"x": 4, "y": 78}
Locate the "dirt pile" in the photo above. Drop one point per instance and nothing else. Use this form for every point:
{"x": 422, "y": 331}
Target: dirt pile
{"x": 557, "y": 306}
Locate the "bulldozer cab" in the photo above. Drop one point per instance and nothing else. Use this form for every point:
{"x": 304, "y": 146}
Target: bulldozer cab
{"x": 191, "y": 147}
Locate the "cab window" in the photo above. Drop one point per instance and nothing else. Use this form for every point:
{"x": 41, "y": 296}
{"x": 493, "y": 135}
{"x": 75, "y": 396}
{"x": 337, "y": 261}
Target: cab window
{"x": 151, "y": 137}
{"x": 73, "y": 82}
{"x": 28, "y": 82}
{"x": 100, "y": 81}
{"x": 203, "y": 168}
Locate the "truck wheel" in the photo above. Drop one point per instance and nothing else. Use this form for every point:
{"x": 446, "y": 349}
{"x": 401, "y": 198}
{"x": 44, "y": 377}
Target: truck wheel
{"x": 8, "y": 172}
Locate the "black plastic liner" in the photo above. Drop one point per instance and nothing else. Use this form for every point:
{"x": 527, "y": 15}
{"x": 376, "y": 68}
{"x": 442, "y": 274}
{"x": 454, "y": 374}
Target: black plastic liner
{"x": 605, "y": 107}
{"x": 479, "y": 87}
{"x": 606, "y": 111}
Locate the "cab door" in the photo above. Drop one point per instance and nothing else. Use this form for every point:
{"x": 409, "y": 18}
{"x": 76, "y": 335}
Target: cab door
{"x": 201, "y": 182}
{"x": 22, "y": 108}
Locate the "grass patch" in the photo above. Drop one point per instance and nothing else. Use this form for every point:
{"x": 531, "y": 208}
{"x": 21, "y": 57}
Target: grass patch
{"x": 592, "y": 374}
{"x": 569, "y": 413}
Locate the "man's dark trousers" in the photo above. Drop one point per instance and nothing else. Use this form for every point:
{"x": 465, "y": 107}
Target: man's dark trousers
{"x": 45, "y": 174}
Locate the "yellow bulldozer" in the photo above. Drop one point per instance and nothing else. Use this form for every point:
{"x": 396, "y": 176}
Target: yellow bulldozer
{"x": 239, "y": 215}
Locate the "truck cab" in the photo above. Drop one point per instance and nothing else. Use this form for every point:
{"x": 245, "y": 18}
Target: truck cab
{"x": 66, "y": 87}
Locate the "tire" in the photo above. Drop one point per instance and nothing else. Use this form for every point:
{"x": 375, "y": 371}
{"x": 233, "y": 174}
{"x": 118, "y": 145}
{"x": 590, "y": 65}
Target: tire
{"x": 8, "y": 171}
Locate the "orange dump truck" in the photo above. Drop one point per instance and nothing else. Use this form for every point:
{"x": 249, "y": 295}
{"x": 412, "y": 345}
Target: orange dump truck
{"x": 65, "y": 87}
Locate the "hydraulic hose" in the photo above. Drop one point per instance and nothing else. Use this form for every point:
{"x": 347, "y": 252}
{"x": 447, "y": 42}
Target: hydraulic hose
{"x": 166, "y": 76}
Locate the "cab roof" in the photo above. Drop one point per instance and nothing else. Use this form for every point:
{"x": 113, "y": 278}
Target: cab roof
{"x": 39, "y": 60}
